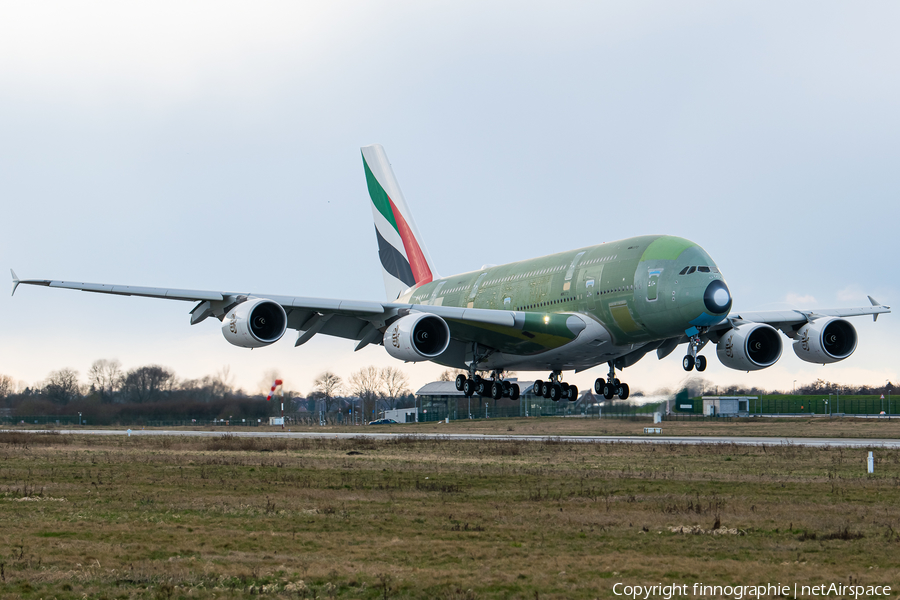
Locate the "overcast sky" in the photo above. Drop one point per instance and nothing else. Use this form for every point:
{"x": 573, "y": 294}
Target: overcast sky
{"x": 216, "y": 146}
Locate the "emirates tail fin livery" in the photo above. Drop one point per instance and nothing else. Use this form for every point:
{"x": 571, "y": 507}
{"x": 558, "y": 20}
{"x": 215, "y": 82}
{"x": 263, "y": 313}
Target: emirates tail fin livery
{"x": 613, "y": 303}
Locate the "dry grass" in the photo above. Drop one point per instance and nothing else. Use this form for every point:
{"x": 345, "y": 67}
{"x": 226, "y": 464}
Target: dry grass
{"x": 148, "y": 517}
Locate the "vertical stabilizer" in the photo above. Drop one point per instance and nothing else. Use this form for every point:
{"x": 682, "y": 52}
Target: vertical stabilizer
{"x": 404, "y": 260}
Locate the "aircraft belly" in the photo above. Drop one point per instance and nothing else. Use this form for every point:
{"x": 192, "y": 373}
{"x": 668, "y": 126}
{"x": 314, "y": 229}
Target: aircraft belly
{"x": 593, "y": 346}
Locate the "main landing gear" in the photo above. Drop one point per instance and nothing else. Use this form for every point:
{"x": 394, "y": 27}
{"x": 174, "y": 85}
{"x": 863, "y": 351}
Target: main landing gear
{"x": 555, "y": 389}
{"x": 693, "y": 359}
{"x": 496, "y": 387}
{"x": 612, "y": 386}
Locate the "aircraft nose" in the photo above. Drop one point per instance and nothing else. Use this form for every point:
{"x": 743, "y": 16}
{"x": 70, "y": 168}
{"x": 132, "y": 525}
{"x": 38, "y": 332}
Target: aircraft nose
{"x": 717, "y": 298}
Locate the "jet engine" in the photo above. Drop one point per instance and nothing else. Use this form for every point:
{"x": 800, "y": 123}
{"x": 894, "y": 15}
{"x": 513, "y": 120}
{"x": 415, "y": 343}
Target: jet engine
{"x": 750, "y": 347}
{"x": 825, "y": 341}
{"x": 416, "y": 337}
{"x": 254, "y": 323}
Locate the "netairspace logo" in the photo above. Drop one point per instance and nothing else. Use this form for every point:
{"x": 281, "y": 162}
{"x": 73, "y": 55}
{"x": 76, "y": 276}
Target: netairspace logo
{"x": 739, "y": 592}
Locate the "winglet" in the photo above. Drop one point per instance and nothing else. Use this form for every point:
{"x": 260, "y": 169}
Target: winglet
{"x": 874, "y": 303}
{"x": 15, "y": 282}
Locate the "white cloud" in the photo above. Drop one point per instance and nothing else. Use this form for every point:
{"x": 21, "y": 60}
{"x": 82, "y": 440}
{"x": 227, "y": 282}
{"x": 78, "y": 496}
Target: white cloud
{"x": 800, "y": 301}
{"x": 853, "y": 293}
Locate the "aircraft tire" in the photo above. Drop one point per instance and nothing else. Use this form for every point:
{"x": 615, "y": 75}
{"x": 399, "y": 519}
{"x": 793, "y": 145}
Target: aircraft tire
{"x": 460, "y": 382}
{"x": 598, "y": 385}
{"x": 496, "y": 390}
{"x": 482, "y": 387}
{"x": 623, "y": 391}
{"x": 555, "y": 392}
{"x": 469, "y": 388}
{"x": 537, "y": 388}
{"x": 609, "y": 391}
{"x": 514, "y": 391}
{"x": 701, "y": 363}
{"x": 688, "y": 363}
{"x": 573, "y": 393}
{"x": 545, "y": 389}
{"x": 506, "y": 387}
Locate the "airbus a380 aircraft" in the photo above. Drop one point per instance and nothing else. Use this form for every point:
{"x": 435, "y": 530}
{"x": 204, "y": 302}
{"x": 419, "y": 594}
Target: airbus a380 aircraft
{"x": 612, "y": 303}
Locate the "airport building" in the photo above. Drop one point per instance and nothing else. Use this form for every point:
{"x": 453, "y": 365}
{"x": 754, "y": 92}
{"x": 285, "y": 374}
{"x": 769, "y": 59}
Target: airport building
{"x": 440, "y": 399}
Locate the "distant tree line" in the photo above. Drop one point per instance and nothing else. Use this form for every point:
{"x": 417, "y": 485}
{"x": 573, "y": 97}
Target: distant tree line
{"x": 153, "y": 392}
{"x": 698, "y": 386}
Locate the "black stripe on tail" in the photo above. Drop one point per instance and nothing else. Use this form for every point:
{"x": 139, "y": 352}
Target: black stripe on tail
{"x": 394, "y": 262}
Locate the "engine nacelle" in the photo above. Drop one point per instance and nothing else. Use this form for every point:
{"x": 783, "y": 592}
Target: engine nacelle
{"x": 254, "y": 323}
{"x": 416, "y": 337}
{"x": 825, "y": 341}
{"x": 750, "y": 347}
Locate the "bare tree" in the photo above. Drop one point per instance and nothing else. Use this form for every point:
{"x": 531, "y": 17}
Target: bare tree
{"x": 329, "y": 385}
{"x": 450, "y": 374}
{"x": 395, "y": 383}
{"x": 147, "y": 384}
{"x": 62, "y": 386}
{"x": 206, "y": 389}
{"x": 365, "y": 384}
{"x": 7, "y": 386}
{"x": 106, "y": 376}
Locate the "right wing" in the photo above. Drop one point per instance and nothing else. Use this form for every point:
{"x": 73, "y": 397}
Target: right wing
{"x": 365, "y": 322}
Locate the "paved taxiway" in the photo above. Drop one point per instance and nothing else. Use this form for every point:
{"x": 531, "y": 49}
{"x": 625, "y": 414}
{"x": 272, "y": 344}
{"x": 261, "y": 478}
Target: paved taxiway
{"x": 591, "y": 439}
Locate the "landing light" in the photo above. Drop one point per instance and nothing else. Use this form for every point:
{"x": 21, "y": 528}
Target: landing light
{"x": 546, "y": 319}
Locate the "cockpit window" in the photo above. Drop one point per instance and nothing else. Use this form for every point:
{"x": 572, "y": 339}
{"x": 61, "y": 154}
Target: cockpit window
{"x": 684, "y": 270}
{"x": 703, "y": 269}
{"x": 691, "y": 270}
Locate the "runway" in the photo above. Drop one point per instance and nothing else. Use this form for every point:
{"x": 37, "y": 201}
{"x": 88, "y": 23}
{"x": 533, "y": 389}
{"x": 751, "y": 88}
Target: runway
{"x": 583, "y": 439}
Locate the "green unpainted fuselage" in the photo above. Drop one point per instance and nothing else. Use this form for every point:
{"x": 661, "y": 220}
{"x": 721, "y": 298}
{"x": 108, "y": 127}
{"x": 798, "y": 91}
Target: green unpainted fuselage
{"x": 640, "y": 289}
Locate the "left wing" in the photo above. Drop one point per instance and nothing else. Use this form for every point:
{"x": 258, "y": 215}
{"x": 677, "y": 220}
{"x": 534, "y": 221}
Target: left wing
{"x": 789, "y": 321}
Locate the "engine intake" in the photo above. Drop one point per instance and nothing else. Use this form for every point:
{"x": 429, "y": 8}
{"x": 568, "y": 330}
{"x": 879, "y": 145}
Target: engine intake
{"x": 825, "y": 341}
{"x": 750, "y": 347}
{"x": 255, "y": 323}
{"x": 417, "y": 337}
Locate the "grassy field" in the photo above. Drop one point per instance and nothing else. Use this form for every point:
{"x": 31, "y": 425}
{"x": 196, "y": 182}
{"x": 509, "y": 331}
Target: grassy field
{"x": 227, "y": 517}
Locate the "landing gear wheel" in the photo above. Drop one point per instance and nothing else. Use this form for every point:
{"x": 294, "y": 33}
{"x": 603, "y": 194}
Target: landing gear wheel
{"x": 538, "y": 388}
{"x": 514, "y": 391}
{"x": 460, "y": 382}
{"x": 572, "y": 393}
{"x": 506, "y": 387}
{"x": 482, "y": 387}
{"x": 598, "y": 385}
{"x": 701, "y": 363}
{"x": 609, "y": 390}
{"x": 469, "y": 388}
{"x": 555, "y": 391}
{"x": 688, "y": 363}
{"x": 496, "y": 390}
{"x": 623, "y": 391}
{"x": 545, "y": 389}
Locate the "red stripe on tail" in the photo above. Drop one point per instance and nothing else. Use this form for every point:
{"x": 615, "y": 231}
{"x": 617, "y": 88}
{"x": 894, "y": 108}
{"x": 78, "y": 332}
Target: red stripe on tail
{"x": 420, "y": 269}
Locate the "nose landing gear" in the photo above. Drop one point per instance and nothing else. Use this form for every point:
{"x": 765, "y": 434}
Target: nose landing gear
{"x": 611, "y": 387}
{"x": 555, "y": 389}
